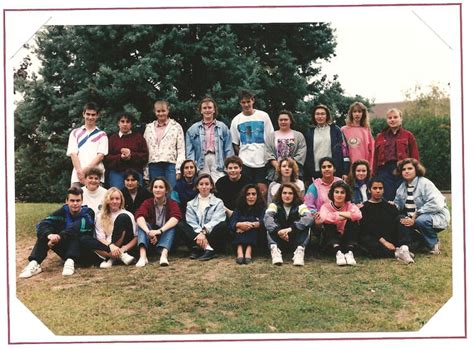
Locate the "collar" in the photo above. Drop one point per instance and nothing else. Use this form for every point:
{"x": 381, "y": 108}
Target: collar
{"x": 163, "y": 124}
{"x": 209, "y": 124}
{"x": 124, "y": 134}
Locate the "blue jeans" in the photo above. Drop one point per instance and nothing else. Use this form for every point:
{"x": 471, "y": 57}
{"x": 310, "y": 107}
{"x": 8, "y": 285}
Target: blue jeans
{"x": 163, "y": 169}
{"x": 165, "y": 240}
{"x": 391, "y": 181}
{"x": 424, "y": 223}
{"x": 116, "y": 179}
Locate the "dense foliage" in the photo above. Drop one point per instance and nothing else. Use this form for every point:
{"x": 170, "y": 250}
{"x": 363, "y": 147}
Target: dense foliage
{"x": 129, "y": 67}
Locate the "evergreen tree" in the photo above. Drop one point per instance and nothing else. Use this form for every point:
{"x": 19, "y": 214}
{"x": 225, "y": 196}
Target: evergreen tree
{"x": 129, "y": 67}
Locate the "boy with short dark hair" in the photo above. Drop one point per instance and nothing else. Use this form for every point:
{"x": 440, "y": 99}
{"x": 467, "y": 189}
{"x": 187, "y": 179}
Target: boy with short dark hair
{"x": 60, "y": 232}
{"x": 229, "y": 186}
{"x": 380, "y": 234}
{"x": 249, "y": 131}
{"x": 87, "y": 146}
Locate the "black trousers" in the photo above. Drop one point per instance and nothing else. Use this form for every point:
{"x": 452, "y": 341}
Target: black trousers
{"x": 67, "y": 247}
{"x": 217, "y": 238}
{"x": 347, "y": 241}
{"x": 123, "y": 226}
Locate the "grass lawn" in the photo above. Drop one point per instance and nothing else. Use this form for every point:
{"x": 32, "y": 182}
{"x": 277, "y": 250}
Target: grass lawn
{"x": 220, "y": 296}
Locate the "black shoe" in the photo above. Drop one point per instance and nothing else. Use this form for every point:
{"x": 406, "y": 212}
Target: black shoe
{"x": 196, "y": 253}
{"x": 240, "y": 260}
{"x": 208, "y": 254}
{"x": 248, "y": 260}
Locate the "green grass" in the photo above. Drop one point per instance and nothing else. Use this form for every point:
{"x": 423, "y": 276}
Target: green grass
{"x": 220, "y": 296}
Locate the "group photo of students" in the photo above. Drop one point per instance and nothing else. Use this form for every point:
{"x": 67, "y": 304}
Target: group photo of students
{"x": 245, "y": 187}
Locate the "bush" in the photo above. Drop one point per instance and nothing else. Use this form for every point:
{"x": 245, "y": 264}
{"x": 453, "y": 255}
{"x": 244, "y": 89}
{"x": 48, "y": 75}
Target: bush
{"x": 433, "y": 138}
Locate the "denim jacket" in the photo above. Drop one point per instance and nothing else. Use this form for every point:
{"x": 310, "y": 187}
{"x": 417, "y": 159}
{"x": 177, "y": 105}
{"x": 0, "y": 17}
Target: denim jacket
{"x": 195, "y": 144}
{"x": 213, "y": 214}
{"x": 428, "y": 200}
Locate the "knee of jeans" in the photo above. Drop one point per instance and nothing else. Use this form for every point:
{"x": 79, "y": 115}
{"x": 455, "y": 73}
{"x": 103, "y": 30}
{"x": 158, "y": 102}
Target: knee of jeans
{"x": 424, "y": 220}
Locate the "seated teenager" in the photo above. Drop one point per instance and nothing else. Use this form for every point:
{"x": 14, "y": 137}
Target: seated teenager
{"x": 133, "y": 193}
{"x": 422, "y": 204}
{"x": 232, "y": 183}
{"x": 185, "y": 188}
{"x": 60, "y": 232}
{"x": 287, "y": 220}
{"x": 115, "y": 230}
{"x": 340, "y": 218}
{"x": 205, "y": 229}
{"x": 93, "y": 193}
{"x": 287, "y": 172}
{"x": 156, "y": 219}
{"x": 379, "y": 227}
{"x": 358, "y": 180}
{"x": 246, "y": 222}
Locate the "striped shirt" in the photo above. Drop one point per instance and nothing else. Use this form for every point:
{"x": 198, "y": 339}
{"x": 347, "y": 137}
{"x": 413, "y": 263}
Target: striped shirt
{"x": 410, "y": 206}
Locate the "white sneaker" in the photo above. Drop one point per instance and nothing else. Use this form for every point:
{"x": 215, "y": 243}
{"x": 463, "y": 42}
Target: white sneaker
{"x": 276, "y": 255}
{"x": 298, "y": 256}
{"x": 436, "y": 249}
{"x": 68, "y": 268}
{"x": 142, "y": 262}
{"x": 340, "y": 259}
{"x": 403, "y": 254}
{"x": 164, "y": 261}
{"x": 107, "y": 264}
{"x": 31, "y": 269}
{"x": 350, "y": 260}
{"x": 126, "y": 258}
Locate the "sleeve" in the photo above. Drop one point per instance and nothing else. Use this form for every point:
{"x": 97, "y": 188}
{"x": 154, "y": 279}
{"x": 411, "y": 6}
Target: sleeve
{"x": 399, "y": 200}
{"x": 103, "y": 146}
{"x": 434, "y": 201}
{"x": 310, "y": 198}
{"x": 175, "y": 212}
{"x": 234, "y": 219}
{"x": 370, "y": 149}
{"x": 270, "y": 150}
{"x": 175, "y": 196}
{"x": 269, "y": 219}
{"x": 305, "y": 220}
{"x": 112, "y": 160}
{"x": 268, "y": 126}
{"x": 180, "y": 149}
{"x": 345, "y": 154}
{"x": 99, "y": 230}
{"x": 413, "y": 147}
{"x": 72, "y": 144}
{"x": 140, "y": 155}
{"x": 228, "y": 148}
{"x": 234, "y": 132}
{"x": 54, "y": 223}
{"x": 356, "y": 215}
{"x": 217, "y": 216}
{"x": 189, "y": 146}
{"x": 192, "y": 218}
{"x": 328, "y": 216}
{"x": 142, "y": 211}
{"x": 300, "y": 155}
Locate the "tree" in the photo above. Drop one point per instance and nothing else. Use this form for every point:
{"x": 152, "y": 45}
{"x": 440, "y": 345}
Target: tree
{"x": 420, "y": 102}
{"x": 129, "y": 67}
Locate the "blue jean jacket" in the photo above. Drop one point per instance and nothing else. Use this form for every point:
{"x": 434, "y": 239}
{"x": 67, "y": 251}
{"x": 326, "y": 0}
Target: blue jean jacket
{"x": 195, "y": 144}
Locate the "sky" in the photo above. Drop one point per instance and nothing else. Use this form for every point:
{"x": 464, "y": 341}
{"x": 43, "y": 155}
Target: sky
{"x": 381, "y": 52}
{"x": 383, "y": 56}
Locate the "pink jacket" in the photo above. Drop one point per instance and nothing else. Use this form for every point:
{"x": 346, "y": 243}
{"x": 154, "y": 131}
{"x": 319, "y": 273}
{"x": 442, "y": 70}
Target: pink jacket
{"x": 330, "y": 215}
